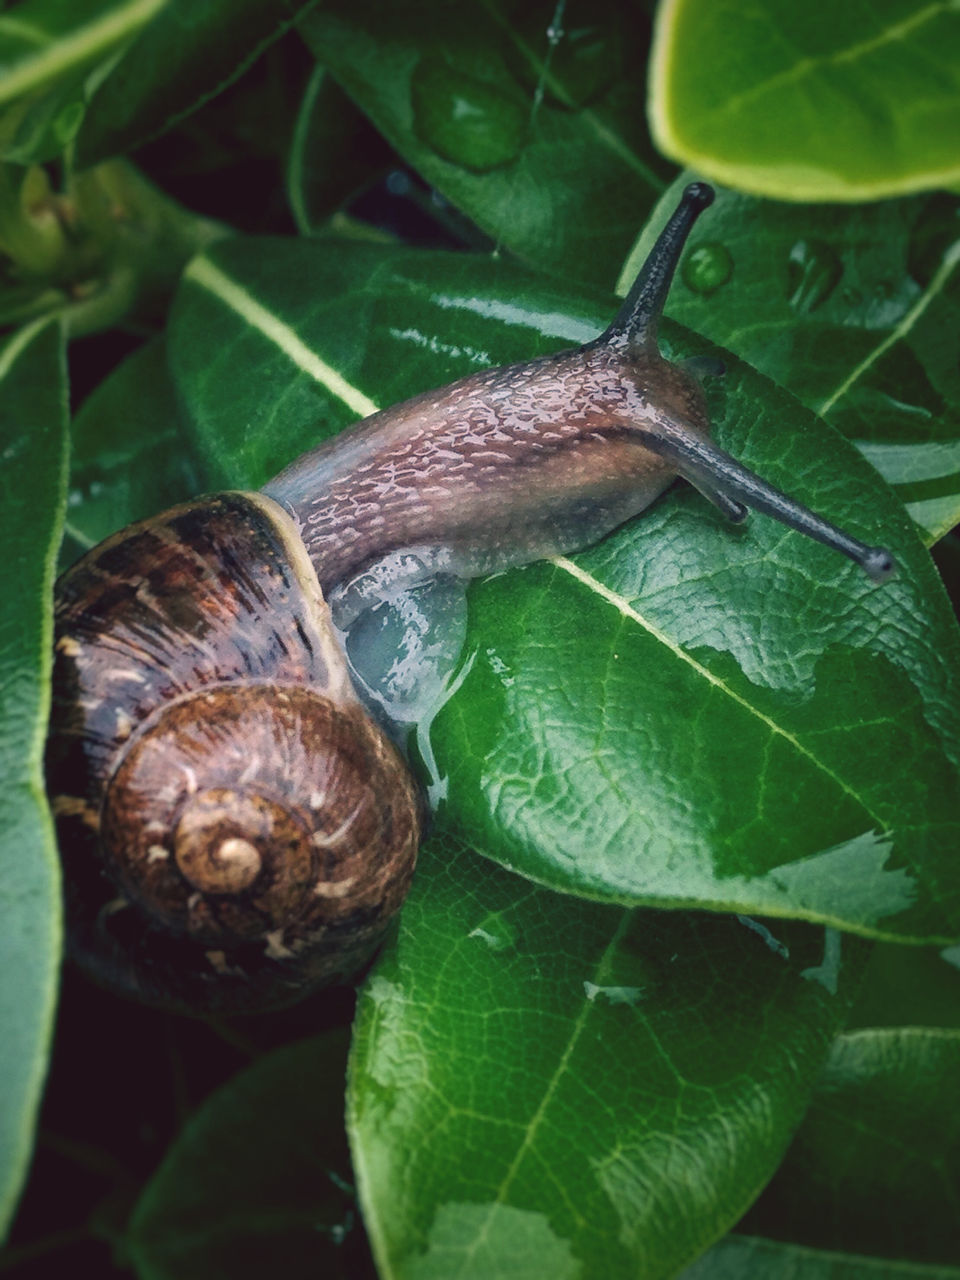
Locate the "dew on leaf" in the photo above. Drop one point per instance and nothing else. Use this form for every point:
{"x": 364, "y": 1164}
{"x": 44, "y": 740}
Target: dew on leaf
{"x": 813, "y": 272}
{"x": 466, "y": 120}
{"x": 707, "y": 267}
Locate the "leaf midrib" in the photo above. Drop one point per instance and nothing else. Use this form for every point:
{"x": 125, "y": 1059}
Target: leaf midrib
{"x": 532, "y": 1126}
{"x": 627, "y": 610}
{"x": 808, "y": 65}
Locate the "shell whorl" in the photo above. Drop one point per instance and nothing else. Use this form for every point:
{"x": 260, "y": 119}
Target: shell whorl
{"x": 234, "y": 827}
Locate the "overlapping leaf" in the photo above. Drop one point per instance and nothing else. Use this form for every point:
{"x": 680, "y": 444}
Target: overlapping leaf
{"x": 544, "y": 1086}
{"x": 32, "y": 496}
{"x": 743, "y": 93}
{"x": 870, "y": 1184}
{"x": 873, "y": 1168}
{"x": 257, "y": 1181}
{"x": 749, "y": 1258}
{"x": 129, "y": 454}
{"x": 46, "y": 53}
{"x": 687, "y": 715}
{"x": 531, "y": 123}
{"x": 855, "y": 310}
{"x": 190, "y": 53}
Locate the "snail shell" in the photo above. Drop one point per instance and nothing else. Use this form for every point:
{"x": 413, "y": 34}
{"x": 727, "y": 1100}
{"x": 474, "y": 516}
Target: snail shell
{"x": 235, "y": 829}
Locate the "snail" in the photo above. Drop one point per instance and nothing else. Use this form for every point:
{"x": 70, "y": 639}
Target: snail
{"x": 236, "y": 822}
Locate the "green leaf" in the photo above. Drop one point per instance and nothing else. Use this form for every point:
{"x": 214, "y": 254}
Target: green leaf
{"x": 649, "y": 721}
{"x": 256, "y": 1183}
{"x": 854, "y": 310}
{"x": 334, "y": 152}
{"x": 774, "y": 100}
{"x": 909, "y": 986}
{"x": 795, "y": 682}
{"x": 42, "y": 40}
{"x": 541, "y": 1086}
{"x": 41, "y": 125}
{"x": 542, "y": 144}
{"x": 873, "y": 1168}
{"x": 746, "y": 1258}
{"x": 187, "y": 56}
{"x": 130, "y": 457}
{"x": 33, "y": 424}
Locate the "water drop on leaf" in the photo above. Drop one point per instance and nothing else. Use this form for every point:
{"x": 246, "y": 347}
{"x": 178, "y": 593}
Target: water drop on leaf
{"x": 813, "y": 271}
{"x": 707, "y": 267}
{"x": 466, "y": 120}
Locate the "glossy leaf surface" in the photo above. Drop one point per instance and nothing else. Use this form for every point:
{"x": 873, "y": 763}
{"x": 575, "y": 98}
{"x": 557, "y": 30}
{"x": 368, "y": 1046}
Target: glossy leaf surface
{"x": 542, "y": 144}
{"x": 32, "y": 495}
{"x": 855, "y": 310}
{"x": 686, "y": 715}
{"x": 544, "y": 1086}
{"x": 742, "y": 93}
{"x": 190, "y": 53}
{"x": 256, "y": 1182}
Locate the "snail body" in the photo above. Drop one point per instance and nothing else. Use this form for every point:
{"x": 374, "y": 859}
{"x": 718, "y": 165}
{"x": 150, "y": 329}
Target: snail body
{"x": 236, "y": 828}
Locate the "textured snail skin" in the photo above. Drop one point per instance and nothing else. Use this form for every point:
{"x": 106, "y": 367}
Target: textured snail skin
{"x": 512, "y": 464}
{"x": 235, "y": 829}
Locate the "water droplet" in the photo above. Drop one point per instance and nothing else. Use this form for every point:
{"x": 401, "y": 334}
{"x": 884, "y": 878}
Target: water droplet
{"x": 813, "y": 272}
{"x": 467, "y": 121}
{"x": 612, "y": 995}
{"x": 708, "y": 266}
{"x": 935, "y": 230}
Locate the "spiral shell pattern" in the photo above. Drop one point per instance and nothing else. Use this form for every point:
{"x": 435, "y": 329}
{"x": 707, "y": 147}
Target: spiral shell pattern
{"x": 235, "y": 830}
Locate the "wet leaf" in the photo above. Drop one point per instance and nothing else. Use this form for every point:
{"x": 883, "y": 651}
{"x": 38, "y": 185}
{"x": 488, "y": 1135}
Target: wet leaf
{"x": 534, "y": 130}
{"x": 544, "y": 1086}
{"x": 33, "y": 445}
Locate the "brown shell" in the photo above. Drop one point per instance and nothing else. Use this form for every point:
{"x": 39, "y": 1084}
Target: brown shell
{"x": 234, "y": 829}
